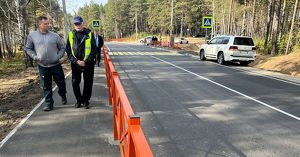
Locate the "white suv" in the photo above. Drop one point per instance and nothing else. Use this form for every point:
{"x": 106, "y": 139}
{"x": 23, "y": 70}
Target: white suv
{"x": 229, "y": 48}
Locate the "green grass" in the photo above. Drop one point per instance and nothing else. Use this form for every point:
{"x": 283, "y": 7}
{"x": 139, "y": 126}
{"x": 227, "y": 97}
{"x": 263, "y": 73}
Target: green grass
{"x": 12, "y": 66}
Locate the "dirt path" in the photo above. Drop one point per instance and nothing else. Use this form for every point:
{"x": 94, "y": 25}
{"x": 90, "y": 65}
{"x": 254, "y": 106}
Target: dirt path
{"x": 19, "y": 93}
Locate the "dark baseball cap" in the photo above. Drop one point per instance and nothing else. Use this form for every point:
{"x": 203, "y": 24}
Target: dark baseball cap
{"x": 77, "y": 19}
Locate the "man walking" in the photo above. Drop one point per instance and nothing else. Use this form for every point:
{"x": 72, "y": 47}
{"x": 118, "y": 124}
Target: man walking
{"x": 99, "y": 44}
{"x": 47, "y": 48}
{"x": 81, "y": 48}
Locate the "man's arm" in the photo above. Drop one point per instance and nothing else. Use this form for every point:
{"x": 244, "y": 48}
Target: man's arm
{"x": 69, "y": 52}
{"x": 101, "y": 42}
{"x": 61, "y": 47}
{"x": 29, "y": 47}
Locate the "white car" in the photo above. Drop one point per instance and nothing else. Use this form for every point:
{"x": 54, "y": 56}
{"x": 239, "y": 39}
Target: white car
{"x": 181, "y": 40}
{"x": 147, "y": 40}
{"x": 229, "y": 49}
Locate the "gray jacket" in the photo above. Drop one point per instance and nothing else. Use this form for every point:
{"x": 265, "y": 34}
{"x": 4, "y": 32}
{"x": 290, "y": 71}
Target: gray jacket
{"x": 45, "y": 48}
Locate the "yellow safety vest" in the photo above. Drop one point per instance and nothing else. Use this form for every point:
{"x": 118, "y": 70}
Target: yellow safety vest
{"x": 87, "y": 51}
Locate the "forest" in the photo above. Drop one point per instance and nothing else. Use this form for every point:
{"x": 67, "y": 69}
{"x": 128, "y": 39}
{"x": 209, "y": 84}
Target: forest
{"x": 274, "y": 24}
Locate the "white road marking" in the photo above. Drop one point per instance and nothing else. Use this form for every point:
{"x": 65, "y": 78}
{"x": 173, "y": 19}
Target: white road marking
{"x": 258, "y": 74}
{"x": 238, "y": 69}
{"x": 25, "y": 119}
{"x": 218, "y": 84}
{"x": 252, "y": 72}
{"x": 107, "y": 48}
{"x": 251, "y": 98}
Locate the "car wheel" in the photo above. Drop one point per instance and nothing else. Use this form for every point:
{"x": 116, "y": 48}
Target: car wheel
{"x": 187, "y": 42}
{"x": 202, "y": 57}
{"x": 180, "y": 42}
{"x": 221, "y": 58}
{"x": 244, "y": 63}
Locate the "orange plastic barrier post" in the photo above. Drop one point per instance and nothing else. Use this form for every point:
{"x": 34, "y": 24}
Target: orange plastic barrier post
{"x": 127, "y": 128}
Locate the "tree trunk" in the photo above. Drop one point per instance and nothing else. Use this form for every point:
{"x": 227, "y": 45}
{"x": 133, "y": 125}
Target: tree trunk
{"x": 275, "y": 28}
{"x": 229, "y": 17}
{"x": 181, "y": 26}
{"x": 116, "y": 30}
{"x": 234, "y": 27}
{"x": 223, "y": 17}
{"x": 1, "y": 54}
{"x": 282, "y": 20}
{"x": 136, "y": 25}
{"x": 244, "y": 18}
{"x": 253, "y": 18}
{"x": 288, "y": 46}
{"x": 8, "y": 39}
{"x": 270, "y": 20}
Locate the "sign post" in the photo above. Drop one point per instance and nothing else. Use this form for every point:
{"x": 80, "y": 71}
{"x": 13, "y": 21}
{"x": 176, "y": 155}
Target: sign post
{"x": 207, "y": 22}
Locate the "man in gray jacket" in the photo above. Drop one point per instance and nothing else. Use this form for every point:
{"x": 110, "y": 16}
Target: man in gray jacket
{"x": 47, "y": 48}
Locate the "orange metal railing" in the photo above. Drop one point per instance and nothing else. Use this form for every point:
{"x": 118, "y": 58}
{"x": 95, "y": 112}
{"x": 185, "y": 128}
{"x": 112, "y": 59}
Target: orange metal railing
{"x": 127, "y": 128}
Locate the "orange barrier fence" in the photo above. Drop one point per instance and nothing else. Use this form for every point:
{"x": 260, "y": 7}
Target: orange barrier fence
{"x": 165, "y": 44}
{"x": 176, "y": 46}
{"x": 127, "y": 128}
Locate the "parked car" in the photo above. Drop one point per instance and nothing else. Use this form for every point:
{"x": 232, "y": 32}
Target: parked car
{"x": 148, "y": 40}
{"x": 229, "y": 49}
{"x": 181, "y": 40}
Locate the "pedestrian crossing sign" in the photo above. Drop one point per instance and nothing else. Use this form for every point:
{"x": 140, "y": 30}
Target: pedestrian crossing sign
{"x": 96, "y": 23}
{"x": 207, "y": 22}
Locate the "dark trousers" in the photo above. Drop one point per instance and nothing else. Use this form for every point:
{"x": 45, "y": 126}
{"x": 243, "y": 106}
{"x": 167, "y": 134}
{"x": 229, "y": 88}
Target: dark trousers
{"x": 46, "y": 74}
{"x": 88, "y": 77}
{"x": 98, "y": 55}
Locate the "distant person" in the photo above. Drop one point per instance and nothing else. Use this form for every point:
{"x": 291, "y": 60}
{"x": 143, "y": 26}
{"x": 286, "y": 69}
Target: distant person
{"x": 145, "y": 41}
{"x": 99, "y": 44}
{"x": 81, "y": 50}
{"x": 153, "y": 40}
{"x": 47, "y": 48}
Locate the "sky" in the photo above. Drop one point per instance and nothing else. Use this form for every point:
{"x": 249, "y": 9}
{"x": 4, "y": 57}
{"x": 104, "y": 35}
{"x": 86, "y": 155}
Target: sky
{"x": 73, "y": 5}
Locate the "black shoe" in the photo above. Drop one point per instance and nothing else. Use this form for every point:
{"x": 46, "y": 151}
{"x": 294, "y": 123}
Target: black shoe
{"x": 48, "y": 108}
{"x": 86, "y": 105}
{"x": 78, "y": 104}
{"x": 64, "y": 100}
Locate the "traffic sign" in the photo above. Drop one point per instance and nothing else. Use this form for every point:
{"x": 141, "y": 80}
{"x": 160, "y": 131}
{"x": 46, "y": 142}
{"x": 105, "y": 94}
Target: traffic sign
{"x": 96, "y": 23}
{"x": 207, "y": 22}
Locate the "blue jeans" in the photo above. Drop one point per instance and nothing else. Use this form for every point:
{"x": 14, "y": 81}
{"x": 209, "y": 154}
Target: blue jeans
{"x": 46, "y": 74}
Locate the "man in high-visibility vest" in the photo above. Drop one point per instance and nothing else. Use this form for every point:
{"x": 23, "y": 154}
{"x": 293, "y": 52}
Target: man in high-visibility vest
{"x": 81, "y": 48}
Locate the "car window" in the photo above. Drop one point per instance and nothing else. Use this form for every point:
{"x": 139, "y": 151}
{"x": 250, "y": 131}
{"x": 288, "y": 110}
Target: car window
{"x": 225, "y": 40}
{"x": 220, "y": 40}
{"x": 243, "y": 41}
{"x": 213, "y": 41}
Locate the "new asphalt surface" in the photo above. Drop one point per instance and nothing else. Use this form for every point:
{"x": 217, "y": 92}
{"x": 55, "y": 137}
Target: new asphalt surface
{"x": 67, "y": 131}
{"x": 198, "y": 108}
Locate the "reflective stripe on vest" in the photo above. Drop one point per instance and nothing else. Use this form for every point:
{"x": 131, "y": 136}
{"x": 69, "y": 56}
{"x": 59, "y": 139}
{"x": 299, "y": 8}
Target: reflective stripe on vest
{"x": 87, "y": 51}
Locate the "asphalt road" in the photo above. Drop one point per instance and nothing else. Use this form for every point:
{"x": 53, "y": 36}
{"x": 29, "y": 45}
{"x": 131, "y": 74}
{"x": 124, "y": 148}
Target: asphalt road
{"x": 191, "y": 108}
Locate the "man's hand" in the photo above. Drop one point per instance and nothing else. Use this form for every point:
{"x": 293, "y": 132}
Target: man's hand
{"x": 80, "y": 63}
{"x": 36, "y": 58}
